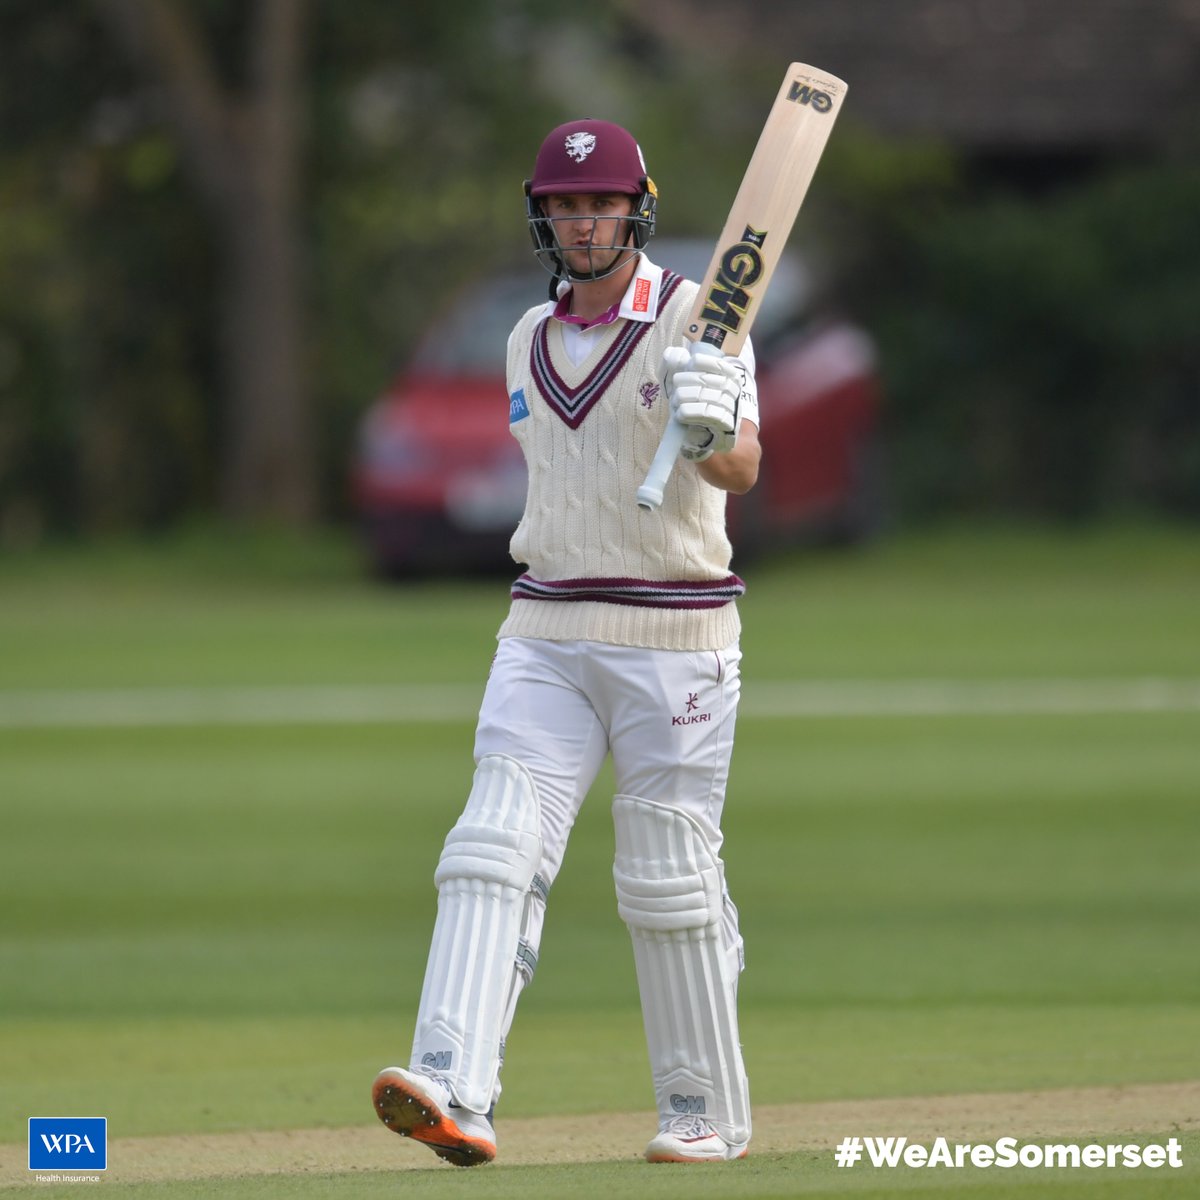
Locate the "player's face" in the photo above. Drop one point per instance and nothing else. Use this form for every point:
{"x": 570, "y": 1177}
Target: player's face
{"x": 590, "y": 227}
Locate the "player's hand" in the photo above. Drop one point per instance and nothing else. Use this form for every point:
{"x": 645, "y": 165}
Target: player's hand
{"x": 704, "y": 387}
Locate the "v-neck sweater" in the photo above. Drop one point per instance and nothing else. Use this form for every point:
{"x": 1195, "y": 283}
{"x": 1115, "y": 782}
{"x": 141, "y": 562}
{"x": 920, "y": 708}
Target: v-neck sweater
{"x": 599, "y": 567}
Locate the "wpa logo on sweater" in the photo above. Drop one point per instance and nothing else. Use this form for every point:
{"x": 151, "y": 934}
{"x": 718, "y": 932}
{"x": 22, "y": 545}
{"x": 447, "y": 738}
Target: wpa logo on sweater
{"x": 68, "y": 1143}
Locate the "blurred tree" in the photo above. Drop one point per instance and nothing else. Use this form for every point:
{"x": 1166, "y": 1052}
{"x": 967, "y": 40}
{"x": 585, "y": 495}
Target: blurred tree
{"x": 1041, "y": 353}
{"x": 105, "y": 411}
{"x": 226, "y": 223}
{"x": 241, "y": 148}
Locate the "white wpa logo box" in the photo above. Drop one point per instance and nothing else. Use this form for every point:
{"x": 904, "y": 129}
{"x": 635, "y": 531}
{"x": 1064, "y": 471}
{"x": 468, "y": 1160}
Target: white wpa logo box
{"x": 68, "y": 1143}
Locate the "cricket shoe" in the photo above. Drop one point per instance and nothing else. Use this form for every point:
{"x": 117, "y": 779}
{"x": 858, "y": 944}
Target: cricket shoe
{"x": 692, "y": 1140}
{"x": 423, "y": 1108}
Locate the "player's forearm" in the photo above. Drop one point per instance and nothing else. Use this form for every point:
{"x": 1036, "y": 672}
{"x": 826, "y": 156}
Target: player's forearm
{"x": 737, "y": 470}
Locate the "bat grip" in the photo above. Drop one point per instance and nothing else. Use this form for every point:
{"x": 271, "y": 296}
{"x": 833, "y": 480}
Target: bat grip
{"x": 650, "y": 494}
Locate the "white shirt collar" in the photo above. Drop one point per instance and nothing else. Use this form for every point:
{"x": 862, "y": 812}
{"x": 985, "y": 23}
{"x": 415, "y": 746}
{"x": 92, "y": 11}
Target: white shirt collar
{"x": 640, "y": 302}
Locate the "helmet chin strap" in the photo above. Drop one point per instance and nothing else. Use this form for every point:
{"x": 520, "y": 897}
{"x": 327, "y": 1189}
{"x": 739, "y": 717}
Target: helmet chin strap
{"x": 562, "y": 271}
{"x": 622, "y": 257}
{"x": 621, "y": 253}
{"x": 624, "y": 254}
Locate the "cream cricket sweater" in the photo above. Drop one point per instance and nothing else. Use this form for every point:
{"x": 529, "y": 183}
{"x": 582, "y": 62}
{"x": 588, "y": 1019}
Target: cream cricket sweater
{"x": 600, "y": 568}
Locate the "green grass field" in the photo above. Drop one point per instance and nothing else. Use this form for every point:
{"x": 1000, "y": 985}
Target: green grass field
{"x": 216, "y": 926}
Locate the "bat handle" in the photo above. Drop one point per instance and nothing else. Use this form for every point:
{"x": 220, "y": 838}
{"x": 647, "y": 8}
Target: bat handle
{"x": 650, "y": 494}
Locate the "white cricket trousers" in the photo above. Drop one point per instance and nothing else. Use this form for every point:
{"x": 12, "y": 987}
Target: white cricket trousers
{"x": 666, "y": 716}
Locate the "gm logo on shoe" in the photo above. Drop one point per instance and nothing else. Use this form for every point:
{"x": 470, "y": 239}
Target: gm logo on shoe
{"x": 68, "y": 1143}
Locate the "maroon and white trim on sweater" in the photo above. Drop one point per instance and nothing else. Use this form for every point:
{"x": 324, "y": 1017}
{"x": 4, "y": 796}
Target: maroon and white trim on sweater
{"x": 643, "y": 593}
{"x": 572, "y": 404}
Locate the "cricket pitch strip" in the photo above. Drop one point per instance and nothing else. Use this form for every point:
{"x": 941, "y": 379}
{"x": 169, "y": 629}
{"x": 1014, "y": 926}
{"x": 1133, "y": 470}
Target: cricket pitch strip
{"x": 527, "y": 1141}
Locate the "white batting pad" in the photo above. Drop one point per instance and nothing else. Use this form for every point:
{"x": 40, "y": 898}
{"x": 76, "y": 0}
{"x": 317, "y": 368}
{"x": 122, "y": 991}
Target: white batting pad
{"x": 486, "y": 882}
{"x": 670, "y": 892}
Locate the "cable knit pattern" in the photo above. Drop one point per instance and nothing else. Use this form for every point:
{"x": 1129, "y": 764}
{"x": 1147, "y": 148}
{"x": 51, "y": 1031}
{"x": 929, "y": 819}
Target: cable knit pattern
{"x": 581, "y": 519}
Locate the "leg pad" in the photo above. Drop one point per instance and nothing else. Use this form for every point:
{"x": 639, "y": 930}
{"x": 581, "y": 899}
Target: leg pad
{"x": 670, "y": 893}
{"x": 485, "y": 879}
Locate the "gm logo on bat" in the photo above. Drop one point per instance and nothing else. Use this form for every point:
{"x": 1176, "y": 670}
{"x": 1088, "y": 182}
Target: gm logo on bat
{"x": 801, "y": 93}
{"x": 728, "y": 298}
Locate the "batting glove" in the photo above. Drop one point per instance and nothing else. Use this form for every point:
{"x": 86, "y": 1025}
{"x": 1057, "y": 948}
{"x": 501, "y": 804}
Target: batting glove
{"x": 704, "y": 387}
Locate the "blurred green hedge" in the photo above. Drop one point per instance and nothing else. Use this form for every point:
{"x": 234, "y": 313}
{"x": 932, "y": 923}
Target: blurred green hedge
{"x": 1042, "y": 355}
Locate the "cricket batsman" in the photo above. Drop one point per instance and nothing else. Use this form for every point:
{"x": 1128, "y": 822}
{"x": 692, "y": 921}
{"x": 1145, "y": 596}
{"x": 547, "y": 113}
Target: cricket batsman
{"x": 621, "y": 639}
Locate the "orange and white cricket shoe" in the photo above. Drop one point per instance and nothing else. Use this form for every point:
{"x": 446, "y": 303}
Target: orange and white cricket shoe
{"x": 691, "y": 1140}
{"x": 423, "y": 1108}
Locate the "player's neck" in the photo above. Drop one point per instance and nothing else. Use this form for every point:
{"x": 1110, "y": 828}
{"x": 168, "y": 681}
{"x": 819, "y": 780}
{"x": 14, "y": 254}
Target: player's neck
{"x": 592, "y": 298}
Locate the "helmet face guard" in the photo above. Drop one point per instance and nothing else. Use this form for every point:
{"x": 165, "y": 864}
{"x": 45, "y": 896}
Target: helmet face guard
{"x": 636, "y": 230}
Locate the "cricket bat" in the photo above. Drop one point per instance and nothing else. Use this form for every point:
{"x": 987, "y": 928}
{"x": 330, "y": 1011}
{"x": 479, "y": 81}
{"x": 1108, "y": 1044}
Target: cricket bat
{"x": 755, "y": 233}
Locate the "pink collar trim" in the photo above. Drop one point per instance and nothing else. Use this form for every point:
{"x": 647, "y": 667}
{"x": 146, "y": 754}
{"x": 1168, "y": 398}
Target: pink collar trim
{"x": 640, "y": 302}
{"x": 562, "y": 312}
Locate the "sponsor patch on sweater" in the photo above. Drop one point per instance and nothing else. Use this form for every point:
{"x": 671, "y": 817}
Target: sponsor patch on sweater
{"x": 518, "y": 410}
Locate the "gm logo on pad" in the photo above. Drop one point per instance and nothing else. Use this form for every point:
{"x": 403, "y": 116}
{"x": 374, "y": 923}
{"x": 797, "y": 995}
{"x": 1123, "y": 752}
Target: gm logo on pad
{"x": 68, "y": 1143}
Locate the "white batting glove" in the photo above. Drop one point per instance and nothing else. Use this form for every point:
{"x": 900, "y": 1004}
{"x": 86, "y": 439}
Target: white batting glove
{"x": 704, "y": 387}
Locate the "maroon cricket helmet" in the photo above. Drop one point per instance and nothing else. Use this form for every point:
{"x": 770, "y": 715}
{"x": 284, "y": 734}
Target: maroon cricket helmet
{"x": 588, "y": 156}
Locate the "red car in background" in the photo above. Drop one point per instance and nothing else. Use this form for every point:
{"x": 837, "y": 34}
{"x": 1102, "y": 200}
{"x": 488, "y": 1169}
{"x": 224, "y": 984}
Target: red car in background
{"x": 439, "y": 482}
